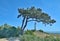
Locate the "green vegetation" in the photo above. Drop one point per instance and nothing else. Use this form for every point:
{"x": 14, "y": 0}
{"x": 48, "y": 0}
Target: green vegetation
{"x": 39, "y": 36}
{"x": 29, "y": 14}
{"x": 33, "y": 14}
{"x": 35, "y": 38}
{"x": 29, "y": 32}
{"x": 8, "y": 31}
{"x": 41, "y": 30}
{"x": 37, "y": 15}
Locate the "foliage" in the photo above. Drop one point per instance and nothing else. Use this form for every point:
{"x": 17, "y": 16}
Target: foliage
{"x": 34, "y": 14}
{"x": 29, "y": 32}
{"x": 41, "y": 30}
{"x": 11, "y": 31}
{"x": 33, "y": 30}
{"x": 8, "y": 31}
{"x": 35, "y": 38}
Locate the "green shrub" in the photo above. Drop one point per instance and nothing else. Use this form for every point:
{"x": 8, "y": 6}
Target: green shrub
{"x": 29, "y": 32}
{"x": 8, "y": 31}
{"x": 33, "y": 30}
{"x": 41, "y": 30}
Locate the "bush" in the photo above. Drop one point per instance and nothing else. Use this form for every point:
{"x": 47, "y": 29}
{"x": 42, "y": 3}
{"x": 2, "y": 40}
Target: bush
{"x": 29, "y": 32}
{"x": 33, "y": 30}
{"x": 41, "y": 30}
{"x": 8, "y": 31}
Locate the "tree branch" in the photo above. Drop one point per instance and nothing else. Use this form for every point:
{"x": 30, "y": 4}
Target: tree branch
{"x": 18, "y": 16}
{"x": 33, "y": 20}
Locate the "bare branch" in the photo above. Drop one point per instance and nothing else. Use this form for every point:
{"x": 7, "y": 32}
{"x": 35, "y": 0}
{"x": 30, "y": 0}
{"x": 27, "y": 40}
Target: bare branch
{"x": 34, "y": 20}
{"x": 18, "y": 16}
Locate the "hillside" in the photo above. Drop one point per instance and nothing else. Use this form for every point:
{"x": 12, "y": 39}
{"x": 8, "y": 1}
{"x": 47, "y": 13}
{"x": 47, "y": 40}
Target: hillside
{"x": 40, "y": 34}
{"x": 44, "y": 35}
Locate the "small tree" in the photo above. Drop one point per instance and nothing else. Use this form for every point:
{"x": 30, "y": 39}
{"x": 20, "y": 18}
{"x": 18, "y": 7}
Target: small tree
{"x": 33, "y": 14}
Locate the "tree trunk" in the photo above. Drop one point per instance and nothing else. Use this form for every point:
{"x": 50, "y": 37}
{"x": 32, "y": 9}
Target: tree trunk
{"x": 21, "y": 31}
{"x": 25, "y": 24}
{"x": 35, "y": 26}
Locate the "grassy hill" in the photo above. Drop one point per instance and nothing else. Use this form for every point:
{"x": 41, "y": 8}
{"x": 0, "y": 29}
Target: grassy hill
{"x": 46, "y": 35}
{"x": 40, "y": 34}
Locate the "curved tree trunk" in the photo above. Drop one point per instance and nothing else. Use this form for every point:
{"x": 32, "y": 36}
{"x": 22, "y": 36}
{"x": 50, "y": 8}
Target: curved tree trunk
{"x": 25, "y": 23}
{"x": 25, "y": 20}
{"x": 21, "y": 31}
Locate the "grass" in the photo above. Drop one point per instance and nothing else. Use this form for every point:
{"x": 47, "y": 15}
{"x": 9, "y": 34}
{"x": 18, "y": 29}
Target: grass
{"x": 38, "y": 36}
{"x": 35, "y": 38}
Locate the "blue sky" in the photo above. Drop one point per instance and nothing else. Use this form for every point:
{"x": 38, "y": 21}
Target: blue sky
{"x": 9, "y": 12}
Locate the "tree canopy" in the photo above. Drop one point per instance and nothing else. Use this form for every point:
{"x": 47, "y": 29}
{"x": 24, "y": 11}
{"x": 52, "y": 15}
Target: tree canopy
{"x": 34, "y": 14}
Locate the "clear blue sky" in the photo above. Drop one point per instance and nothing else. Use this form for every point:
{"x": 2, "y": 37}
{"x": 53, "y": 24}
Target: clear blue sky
{"x": 9, "y": 12}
